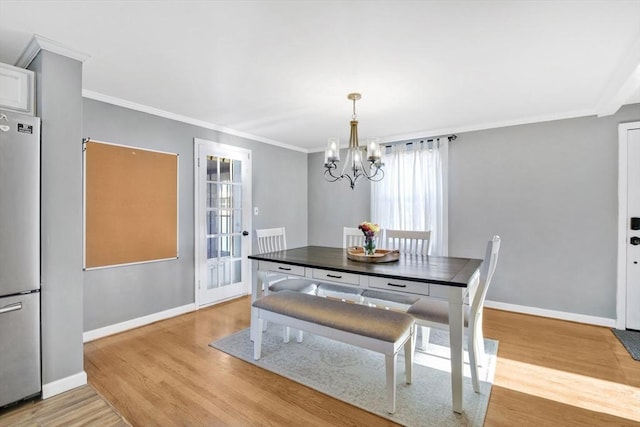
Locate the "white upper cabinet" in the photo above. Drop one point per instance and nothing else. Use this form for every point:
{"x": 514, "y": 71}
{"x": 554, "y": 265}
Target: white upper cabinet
{"x": 17, "y": 88}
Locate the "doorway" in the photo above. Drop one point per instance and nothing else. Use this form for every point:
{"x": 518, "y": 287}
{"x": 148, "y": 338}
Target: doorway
{"x": 222, "y": 206}
{"x": 628, "y": 293}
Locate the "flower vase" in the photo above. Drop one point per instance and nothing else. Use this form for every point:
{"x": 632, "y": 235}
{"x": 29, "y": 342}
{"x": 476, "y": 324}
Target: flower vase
{"x": 369, "y": 246}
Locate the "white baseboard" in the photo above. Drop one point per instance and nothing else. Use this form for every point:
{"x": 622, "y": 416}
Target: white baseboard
{"x": 65, "y": 384}
{"x": 135, "y": 323}
{"x": 572, "y": 317}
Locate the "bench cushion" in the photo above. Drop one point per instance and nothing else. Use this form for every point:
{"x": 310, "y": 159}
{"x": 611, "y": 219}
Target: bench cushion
{"x": 384, "y": 325}
{"x": 297, "y": 285}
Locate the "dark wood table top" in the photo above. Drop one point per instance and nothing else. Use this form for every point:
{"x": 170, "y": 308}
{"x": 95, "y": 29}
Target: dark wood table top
{"x": 427, "y": 269}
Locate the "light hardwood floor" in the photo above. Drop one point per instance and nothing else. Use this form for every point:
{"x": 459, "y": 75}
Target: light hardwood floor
{"x": 549, "y": 373}
{"x": 78, "y": 407}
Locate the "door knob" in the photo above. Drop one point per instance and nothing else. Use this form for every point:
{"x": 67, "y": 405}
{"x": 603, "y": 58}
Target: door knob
{"x": 635, "y": 241}
{"x": 246, "y": 233}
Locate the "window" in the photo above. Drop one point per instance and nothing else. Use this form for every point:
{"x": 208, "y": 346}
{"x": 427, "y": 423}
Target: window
{"x": 413, "y": 193}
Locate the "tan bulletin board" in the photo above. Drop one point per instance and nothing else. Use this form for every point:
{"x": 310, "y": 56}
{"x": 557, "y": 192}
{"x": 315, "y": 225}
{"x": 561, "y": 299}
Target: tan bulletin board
{"x": 131, "y": 205}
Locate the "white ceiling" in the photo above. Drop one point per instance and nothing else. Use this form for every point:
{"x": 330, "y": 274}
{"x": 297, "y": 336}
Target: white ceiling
{"x": 280, "y": 71}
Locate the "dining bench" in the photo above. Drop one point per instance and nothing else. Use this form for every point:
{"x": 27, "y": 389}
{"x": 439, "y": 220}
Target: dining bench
{"x": 382, "y": 331}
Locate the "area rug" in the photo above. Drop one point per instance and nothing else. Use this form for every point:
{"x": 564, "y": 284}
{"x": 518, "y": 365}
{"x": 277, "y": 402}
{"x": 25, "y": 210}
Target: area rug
{"x": 630, "y": 340}
{"x": 357, "y": 376}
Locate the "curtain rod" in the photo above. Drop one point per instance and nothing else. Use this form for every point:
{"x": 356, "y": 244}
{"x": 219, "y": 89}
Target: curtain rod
{"x": 451, "y": 138}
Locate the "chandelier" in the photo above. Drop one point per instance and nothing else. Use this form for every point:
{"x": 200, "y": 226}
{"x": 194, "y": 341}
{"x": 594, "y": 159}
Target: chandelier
{"x": 360, "y": 161}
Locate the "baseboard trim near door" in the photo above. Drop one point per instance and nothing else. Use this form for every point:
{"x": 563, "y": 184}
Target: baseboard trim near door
{"x": 64, "y": 384}
{"x": 135, "y": 323}
{"x": 561, "y": 315}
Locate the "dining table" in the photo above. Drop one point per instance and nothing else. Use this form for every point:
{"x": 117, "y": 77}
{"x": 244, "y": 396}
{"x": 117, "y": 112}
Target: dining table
{"x": 446, "y": 278}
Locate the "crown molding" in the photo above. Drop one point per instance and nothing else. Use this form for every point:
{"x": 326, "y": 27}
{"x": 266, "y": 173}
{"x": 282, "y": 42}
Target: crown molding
{"x": 184, "y": 119}
{"x": 623, "y": 84}
{"x": 431, "y": 133}
{"x": 39, "y": 43}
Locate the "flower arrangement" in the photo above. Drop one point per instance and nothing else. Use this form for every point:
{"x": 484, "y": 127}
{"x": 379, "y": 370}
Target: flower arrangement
{"x": 369, "y": 230}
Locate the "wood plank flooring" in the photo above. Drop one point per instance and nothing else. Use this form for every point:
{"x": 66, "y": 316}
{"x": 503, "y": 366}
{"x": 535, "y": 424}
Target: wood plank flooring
{"x": 549, "y": 373}
{"x": 77, "y": 407}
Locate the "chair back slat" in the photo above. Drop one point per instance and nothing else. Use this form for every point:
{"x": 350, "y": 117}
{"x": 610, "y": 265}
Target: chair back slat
{"x": 271, "y": 239}
{"x": 352, "y": 236}
{"x": 410, "y": 242}
{"x": 486, "y": 274}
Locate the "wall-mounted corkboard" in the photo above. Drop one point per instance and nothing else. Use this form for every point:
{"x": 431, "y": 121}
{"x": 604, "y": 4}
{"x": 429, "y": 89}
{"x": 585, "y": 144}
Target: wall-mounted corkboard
{"x": 131, "y": 205}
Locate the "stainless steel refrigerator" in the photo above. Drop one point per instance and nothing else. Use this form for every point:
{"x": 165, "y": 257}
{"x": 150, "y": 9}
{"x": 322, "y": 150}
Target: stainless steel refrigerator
{"x": 20, "y": 375}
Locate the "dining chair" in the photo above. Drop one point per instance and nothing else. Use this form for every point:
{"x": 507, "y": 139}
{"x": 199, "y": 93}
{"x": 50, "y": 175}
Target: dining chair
{"x": 430, "y": 313}
{"x": 351, "y": 236}
{"x": 410, "y": 242}
{"x": 275, "y": 239}
{"x": 407, "y": 242}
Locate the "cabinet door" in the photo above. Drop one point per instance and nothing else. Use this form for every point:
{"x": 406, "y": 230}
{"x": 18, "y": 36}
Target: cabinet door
{"x": 16, "y": 89}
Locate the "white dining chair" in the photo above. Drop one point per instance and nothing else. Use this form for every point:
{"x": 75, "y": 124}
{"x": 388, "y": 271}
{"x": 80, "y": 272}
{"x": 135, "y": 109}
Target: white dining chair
{"x": 430, "y": 313}
{"x": 407, "y": 242}
{"x": 272, "y": 240}
{"x": 351, "y": 236}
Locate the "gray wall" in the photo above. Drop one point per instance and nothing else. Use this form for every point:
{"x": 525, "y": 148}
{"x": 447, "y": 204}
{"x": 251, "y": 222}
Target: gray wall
{"x": 548, "y": 189}
{"x": 279, "y": 189}
{"x": 59, "y": 105}
{"x": 334, "y": 205}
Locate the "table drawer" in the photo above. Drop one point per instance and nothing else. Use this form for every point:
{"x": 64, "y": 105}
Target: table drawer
{"x": 336, "y": 276}
{"x": 282, "y": 268}
{"x": 399, "y": 285}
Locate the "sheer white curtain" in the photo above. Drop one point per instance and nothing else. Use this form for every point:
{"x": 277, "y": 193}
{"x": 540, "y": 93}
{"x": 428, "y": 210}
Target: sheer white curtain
{"x": 413, "y": 193}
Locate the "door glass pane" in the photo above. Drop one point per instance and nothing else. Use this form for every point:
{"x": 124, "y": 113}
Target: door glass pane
{"x": 237, "y": 271}
{"x": 212, "y": 276}
{"x": 212, "y": 247}
{"x": 212, "y": 168}
{"x": 237, "y": 197}
{"x": 237, "y": 221}
{"x": 225, "y": 274}
{"x": 237, "y": 171}
{"x": 225, "y": 246}
{"x": 212, "y": 195}
{"x": 225, "y": 196}
{"x": 225, "y": 170}
{"x": 237, "y": 246}
{"x": 213, "y": 225}
{"x": 225, "y": 221}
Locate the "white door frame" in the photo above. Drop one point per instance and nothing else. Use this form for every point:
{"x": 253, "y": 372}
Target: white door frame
{"x": 621, "y": 295}
{"x": 197, "y": 143}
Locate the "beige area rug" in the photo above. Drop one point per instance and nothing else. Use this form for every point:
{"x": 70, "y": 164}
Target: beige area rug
{"x": 82, "y": 406}
{"x": 357, "y": 376}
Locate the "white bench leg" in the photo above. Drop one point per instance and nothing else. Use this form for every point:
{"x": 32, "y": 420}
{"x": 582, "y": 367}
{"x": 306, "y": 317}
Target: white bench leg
{"x": 286, "y": 331}
{"x": 299, "y": 335}
{"x": 390, "y": 364}
{"x": 257, "y": 342}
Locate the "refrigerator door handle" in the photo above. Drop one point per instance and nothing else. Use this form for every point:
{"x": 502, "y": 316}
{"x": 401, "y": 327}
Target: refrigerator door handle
{"x": 11, "y": 307}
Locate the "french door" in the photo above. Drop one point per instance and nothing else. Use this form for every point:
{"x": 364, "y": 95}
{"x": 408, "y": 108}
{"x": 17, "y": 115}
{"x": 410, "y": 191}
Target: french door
{"x": 222, "y": 221}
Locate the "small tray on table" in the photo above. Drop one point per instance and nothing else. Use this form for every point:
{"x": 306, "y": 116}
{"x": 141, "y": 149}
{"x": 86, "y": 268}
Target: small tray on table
{"x": 356, "y": 253}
